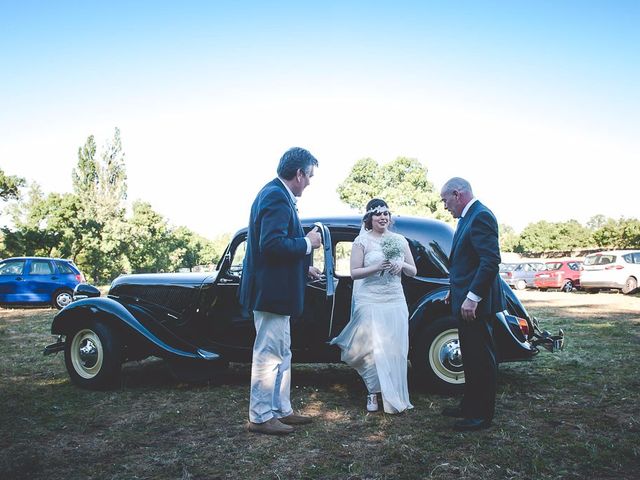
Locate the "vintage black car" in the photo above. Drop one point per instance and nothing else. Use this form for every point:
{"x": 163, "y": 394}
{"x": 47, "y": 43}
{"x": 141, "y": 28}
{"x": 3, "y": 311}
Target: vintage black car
{"x": 194, "y": 320}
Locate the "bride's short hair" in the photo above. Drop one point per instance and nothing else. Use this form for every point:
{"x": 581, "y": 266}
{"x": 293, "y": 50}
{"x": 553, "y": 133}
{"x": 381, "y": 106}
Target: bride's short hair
{"x": 371, "y": 206}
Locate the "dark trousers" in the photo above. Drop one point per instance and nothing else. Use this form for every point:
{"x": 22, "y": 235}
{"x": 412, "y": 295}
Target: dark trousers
{"x": 480, "y": 368}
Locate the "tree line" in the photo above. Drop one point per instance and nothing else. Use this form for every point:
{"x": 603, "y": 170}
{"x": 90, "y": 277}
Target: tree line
{"x": 91, "y": 225}
{"x": 404, "y": 184}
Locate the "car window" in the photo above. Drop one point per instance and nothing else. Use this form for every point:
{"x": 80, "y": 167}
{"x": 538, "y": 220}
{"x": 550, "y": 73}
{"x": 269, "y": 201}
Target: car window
{"x": 65, "y": 268}
{"x": 41, "y": 267}
{"x": 238, "y": 258}
{"x": 342, "y": 267}
{"x": 554, "y": 266}
{"x": 599, "y": 259}
{"x": 636, "y": 257}
{"x": 573, "y": 266}
{"x": 12, "y": 267}
{"x": 318, "y": 258}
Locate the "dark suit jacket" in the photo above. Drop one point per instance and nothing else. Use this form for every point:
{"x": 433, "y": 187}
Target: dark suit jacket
{"x": 276, "y": 264}
{"x": 474, "y": 262}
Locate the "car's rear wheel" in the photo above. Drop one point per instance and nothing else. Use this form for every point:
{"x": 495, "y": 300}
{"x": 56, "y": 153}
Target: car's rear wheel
{"x": 568, "y": 286}
{"x": 93, "y": 356}
{"x": 521, "y": 285}
{"x": 630, "y": 285}
{"x": 436, "y": 359}
{"x": 62, "y": 298}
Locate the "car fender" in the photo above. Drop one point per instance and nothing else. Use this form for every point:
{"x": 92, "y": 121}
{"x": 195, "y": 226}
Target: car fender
{"x": 428, "y": 308}
{"x": 104, "y": 308}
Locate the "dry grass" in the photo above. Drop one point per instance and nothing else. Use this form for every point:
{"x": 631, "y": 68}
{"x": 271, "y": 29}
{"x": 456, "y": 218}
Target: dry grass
{"x": 574, "y": 414}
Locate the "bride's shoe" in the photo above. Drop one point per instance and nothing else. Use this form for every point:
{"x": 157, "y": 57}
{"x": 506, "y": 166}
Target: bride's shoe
{"x": 372, "y": 402}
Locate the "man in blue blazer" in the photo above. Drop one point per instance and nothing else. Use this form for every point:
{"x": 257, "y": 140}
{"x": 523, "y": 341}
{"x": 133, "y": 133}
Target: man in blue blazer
{"x": 475, "y": 297}
{"x": 274, "y": 277}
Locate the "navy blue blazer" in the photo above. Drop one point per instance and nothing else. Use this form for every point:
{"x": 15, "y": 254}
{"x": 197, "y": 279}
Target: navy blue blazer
{"x": 274, "y": 273}
{"x": 475, "y": 260}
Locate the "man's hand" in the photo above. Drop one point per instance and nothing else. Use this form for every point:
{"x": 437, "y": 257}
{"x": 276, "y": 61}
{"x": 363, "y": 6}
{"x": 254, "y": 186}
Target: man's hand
{"x": 315, "y": 237}
{"x": 315, "y": 273}
{"x": 468, "y": 309}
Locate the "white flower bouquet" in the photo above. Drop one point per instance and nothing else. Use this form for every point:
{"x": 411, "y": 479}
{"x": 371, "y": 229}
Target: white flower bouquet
{"x": 392, "y": 248}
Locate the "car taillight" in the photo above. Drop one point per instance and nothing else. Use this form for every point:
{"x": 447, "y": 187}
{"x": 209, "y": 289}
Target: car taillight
{"x": 524, "y": 327}
{"x": 614, "y": 267}
{"x": 509, "y": 274}
{"x": 80, "y": 278}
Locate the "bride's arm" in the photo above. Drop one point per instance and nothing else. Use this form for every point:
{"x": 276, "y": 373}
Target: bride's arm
{"x": 409, "y": 265}
{"x": 358, "y": 270}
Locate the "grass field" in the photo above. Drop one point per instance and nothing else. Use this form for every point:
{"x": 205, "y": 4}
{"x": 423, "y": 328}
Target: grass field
{"x": 574, "y": 414}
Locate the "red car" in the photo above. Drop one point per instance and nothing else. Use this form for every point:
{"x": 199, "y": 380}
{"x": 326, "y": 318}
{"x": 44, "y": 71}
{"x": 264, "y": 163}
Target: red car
{"x": 562, "y": 274}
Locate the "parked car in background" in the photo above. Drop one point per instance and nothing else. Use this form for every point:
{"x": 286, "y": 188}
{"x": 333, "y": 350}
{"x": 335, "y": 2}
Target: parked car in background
{"x": 195, "y": 323}
{"x": 38, "y": 280}
{"x": 520, "y": 275}
{"x": 562, "y": 274}
{"x": 615, "y": 269}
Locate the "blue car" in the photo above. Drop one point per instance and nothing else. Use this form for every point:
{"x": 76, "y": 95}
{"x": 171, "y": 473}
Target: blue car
{"x": 38, "y": 280}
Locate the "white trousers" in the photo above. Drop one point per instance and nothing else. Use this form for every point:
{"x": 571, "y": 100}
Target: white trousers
{"x": 270, "y": 368}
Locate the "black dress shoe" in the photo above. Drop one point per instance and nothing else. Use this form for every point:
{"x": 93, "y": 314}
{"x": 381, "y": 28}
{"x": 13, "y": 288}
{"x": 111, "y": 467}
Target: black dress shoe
{"x": 471, "y": 424}
{"x": 455, "y": 412}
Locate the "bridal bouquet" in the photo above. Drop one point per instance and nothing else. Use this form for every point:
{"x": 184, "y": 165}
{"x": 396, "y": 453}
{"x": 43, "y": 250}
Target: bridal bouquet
{"x": 392, "y": 248}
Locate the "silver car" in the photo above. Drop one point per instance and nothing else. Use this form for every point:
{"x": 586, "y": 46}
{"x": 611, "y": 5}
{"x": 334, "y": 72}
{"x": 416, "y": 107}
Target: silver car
{"x": 617, "y": 269}
{"x": 520, "y": 275}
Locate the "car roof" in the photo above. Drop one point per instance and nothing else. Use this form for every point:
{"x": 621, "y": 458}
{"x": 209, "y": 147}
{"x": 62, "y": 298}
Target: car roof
{"x": 37, "y": 258}
{"x": 613, "y": 252}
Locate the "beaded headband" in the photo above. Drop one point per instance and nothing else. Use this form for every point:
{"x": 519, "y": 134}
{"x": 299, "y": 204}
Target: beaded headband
{"x": 379, "y": 209}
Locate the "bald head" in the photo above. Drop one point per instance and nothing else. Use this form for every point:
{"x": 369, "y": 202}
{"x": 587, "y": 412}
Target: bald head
{"x": 455, "y": 195}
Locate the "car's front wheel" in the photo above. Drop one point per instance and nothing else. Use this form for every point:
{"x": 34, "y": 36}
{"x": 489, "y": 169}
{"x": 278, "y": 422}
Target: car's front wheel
{"x": 93, "y": 355}
{"x": 568, "y": 286}
{"x": 521, "y": 285}
{"x": 630, "y": 285}
{"x": 62, "y": 298}
{"x": 436, "y": 359}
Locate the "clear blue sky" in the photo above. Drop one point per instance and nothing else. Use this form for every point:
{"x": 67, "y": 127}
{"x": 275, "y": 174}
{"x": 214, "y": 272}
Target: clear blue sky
{"x": 519, "y": 97}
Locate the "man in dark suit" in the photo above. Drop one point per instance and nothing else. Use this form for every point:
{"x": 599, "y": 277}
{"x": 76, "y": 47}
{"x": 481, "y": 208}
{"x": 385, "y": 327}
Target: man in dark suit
{"x": 475, "y": 297}
{"x": 274, "y": 277}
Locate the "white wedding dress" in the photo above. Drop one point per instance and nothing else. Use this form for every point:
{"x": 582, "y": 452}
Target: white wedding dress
{"x": 376, "y": 340}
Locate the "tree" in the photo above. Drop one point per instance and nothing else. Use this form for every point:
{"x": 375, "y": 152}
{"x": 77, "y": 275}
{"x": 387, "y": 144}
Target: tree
{"x": 547, "y": 236}
{"x": 10, "y": 186}
{"x": 101, "y": 185}
{"x": 402, "y": 183}
{"x": 149, "y": 240}
{"x": 509, "y": 239}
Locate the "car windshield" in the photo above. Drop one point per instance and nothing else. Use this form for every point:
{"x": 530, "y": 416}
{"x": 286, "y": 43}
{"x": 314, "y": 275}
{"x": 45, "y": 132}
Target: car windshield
{"x": 599, "y": 259}
{"x": 507, "y": 267}
{"x": 554, "y": 266}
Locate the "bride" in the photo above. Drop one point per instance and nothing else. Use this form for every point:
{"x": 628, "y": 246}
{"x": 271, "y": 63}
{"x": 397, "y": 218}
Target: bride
{"x": 376, "y": 340}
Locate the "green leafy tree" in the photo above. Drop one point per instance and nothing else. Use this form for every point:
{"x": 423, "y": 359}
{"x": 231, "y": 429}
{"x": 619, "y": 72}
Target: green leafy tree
{"x": 101, "y": 185}
{"x": 546, "y": 236}
{"x": 509, "y": 239}
{"x": 402, "y": 183}
{"x": 149, "y": 240}
{"x": 622, "y": 233}
{"x": 10, "y": 186}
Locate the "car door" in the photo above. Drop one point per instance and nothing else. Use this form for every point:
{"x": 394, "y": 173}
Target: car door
{"x": 230, "y": 330}
{"x": 12, "y": 284}
{"x": 41, "y": 280}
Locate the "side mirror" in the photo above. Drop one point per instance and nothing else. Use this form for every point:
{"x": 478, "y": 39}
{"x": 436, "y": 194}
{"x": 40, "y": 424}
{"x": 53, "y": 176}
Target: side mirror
{"x": 84, "y": 290}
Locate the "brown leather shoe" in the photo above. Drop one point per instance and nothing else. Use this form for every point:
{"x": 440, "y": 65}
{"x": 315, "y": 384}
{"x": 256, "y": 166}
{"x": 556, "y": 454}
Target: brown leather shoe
{"x": 294, "y": 419}
{"x": 273, "y": 426}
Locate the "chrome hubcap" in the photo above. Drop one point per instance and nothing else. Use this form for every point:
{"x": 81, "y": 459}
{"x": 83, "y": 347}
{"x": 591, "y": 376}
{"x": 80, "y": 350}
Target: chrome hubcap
{"x": 86, "y": 353}
{"x": 445, "y": 357}
{"x": 63, "y": 299}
